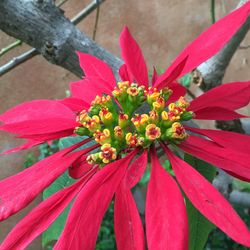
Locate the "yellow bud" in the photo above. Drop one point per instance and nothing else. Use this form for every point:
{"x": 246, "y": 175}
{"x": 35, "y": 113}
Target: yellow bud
{"x": 118, "y": 132}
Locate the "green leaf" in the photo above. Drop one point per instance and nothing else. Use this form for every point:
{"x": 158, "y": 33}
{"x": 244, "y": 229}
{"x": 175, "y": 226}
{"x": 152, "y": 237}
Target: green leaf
{"x": 186, "y": 80}
{"x": 166, "y": 164}
{"x": 241, "y": 185}
{"x": 53, "y": 232}
{"x": 30, "y": 159}
{"x": 199, "y": 226}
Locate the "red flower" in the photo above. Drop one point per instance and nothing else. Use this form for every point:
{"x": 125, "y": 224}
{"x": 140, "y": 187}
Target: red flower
{"x": 107, "y": 173}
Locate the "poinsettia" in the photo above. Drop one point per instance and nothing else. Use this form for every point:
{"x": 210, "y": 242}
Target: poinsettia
{"x": 130, "y": 121}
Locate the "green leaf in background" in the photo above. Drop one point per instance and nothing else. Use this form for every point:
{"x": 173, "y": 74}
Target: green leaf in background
{"x": 199, "y": 226}
{"x": 53, "y": 232}
{"x": 166, "y": 164}
{"x": 241, "y": 185}
{"x": 186, "y": 80}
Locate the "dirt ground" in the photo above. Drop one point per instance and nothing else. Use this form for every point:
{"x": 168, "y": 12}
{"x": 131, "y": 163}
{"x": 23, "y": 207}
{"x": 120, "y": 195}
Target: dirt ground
{"x": 161, "y": 27}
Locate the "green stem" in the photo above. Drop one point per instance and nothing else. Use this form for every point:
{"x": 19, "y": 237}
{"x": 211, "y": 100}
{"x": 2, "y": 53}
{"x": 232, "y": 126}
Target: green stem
{"x": 212, "y": 10}
{"x": 96, "y": 20}
{"x": 10, "y": 47}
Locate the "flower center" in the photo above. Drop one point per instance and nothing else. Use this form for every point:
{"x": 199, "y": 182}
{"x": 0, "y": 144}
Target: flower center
{"x": 120, "y": 128}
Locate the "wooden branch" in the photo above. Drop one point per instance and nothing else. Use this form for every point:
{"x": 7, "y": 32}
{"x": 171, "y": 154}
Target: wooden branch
{"x": 17, "y": 61}
{"x": 213, "y": 70}
{"x": 43, "y": 26}
{"x": 240, "y": 198}
{"x": 33, "y": 52}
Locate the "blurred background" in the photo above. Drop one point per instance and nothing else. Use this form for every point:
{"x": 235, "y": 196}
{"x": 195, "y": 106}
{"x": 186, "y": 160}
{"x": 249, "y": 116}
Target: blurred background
{"x": 161, "y": 27}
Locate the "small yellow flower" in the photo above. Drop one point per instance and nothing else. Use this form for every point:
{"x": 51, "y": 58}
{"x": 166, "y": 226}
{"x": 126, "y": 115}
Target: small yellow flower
{"x": 153, "y": 132}
{"x": 123, "y": 85}
{"x": 131, "y": 140}
{"x": 102, "y": 137}
{"x": 133, "y": 91}
{"x": 108, "y": 153}
{"x": 123, "y": 120}
{"x": 118, "y": 132}
{"x": 105, "y": 115}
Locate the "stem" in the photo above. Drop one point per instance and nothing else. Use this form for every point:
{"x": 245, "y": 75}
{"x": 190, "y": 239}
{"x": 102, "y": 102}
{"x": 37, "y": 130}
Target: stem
{"x": 212, "y": 10}
{"x": 96, "y": 20}
{"x": 10, "y": 47}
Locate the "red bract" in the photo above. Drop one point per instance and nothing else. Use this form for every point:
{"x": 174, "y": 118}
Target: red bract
{"x": 118, "y": 167}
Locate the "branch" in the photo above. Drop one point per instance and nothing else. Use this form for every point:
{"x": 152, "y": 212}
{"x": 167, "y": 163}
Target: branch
{"x": 17, "y": 61}
{"x": 213, "y": 70}
{"x": 240, "y": 198}
{"x": 53, "y": 35}
{"x": 11, "y": 46}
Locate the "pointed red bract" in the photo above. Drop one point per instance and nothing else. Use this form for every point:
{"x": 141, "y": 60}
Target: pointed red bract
{"x": 210, "y": 41}
{"x": 128, "y": 226}
{"x": 178, "y": 91}
{"x": 49, "y": 136}
{"x": 154, "y": 76}
{"x": 87, "y": 89}
{"x": 90, "y": 205}
{"x": 164, "y": 200}
{"x": 74, "y": 104}
{"x": 129, "y": 232}
{"x": 19, "y": 190}
{"x": 125, "y": 74}
{"x": 95, "y": 68}
{"x": 225, "y": 158}
{"x": 41, "y": 217}
{"x": 37, "y": 117}
{"x": 231, "y": 96}
{"x": 98, "y": 80}
{"x": 42, "y": 126}
{"x": 26, "y": 145}
{"x": 133, "y": 57}
{"x": 209, "y": 201}
{"x": 231, "y": 140}
{"x": 136, "y": 170}
{"x": 80, "y": 167}
{"x": 217, "y": 113}
{"x": 36, "y": 110}
{"x": 165, "y": 79}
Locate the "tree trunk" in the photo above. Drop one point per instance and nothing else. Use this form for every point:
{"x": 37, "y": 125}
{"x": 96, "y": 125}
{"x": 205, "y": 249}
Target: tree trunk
{"x": 43, "y": 26}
